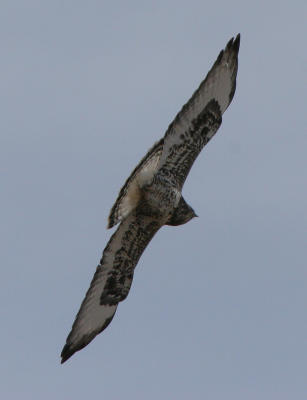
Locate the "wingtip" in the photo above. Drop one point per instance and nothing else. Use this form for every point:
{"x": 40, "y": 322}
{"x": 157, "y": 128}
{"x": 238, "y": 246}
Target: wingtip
{"x": 229, "y": 44}
{"x": 232, "y": 45}
{"x": 236, "y": 43}
{"x": 66, "y": 353}
{"x": 220, "y": 56}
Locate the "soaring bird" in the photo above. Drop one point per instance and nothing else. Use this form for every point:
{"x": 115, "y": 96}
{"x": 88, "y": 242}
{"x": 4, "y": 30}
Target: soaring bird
{"x": 151, "y": 198}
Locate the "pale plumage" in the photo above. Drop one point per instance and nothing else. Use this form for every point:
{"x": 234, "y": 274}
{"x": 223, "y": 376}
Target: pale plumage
{"x": 151, "y": 198}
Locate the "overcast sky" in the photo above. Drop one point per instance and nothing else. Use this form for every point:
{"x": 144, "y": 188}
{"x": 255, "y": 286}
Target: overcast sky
{"x": 217, "y": 309}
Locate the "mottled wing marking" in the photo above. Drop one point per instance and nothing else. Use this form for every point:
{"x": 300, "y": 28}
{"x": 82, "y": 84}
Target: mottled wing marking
{"x": 129, "y": 194}
{"x": 200, "y": 117}
{"x": 183, "y": 153}
{"x": 112, "y": 280}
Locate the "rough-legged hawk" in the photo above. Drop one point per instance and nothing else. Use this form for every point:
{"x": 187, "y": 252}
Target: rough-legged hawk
{"x": 151, "y": 198}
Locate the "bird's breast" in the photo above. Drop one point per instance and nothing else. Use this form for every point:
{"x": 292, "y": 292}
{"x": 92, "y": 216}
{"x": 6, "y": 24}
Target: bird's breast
{"x": 160, "y": 198}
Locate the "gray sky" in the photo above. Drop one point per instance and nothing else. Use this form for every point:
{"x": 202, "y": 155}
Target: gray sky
{"x": 217, "y": 308}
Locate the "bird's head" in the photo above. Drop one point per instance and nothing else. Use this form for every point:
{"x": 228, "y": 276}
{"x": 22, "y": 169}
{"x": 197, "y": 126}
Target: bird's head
{"x": 182, "y": 214}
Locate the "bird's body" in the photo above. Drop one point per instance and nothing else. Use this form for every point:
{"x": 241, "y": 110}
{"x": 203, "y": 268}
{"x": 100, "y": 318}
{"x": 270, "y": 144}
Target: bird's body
{"x": 151, "y": 198}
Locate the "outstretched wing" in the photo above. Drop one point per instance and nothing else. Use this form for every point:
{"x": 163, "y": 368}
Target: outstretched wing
{"x": 112, "y": 280}
{"x": 129, "y": 194}
{"x": 200, "y": 117}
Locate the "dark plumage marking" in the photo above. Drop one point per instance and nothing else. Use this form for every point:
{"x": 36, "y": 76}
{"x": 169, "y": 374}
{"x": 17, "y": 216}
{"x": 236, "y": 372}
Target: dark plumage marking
{"x": 200, "y": 117}
{"x": 183, "y": 154}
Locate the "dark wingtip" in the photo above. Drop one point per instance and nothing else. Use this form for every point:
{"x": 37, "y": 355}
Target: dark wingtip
{"x": 233, "y": 44}
{"x": 236, "y": 43}
{"x": 229, "y": 44}
{"x": 66, "y": 353}
{"x": 220, "y": 56}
